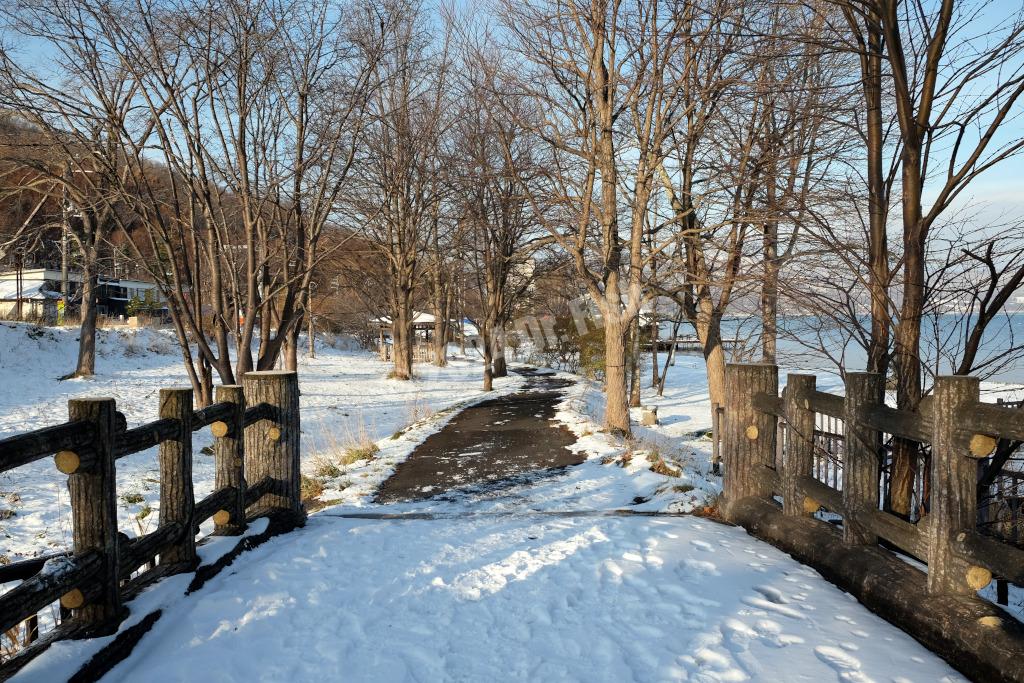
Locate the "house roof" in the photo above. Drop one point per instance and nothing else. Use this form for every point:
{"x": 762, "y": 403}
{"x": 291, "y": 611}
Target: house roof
{"x": 32, "y": 289}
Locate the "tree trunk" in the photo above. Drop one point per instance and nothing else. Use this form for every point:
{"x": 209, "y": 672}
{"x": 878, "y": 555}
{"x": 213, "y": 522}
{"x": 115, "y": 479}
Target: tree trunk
{"x": 498, "y": 337}
{"x": 709, "y": 332}
{"x": 485, "y": 338}
{"x": 878, "y": 206}
{"x": 654, "y": 348}
{"x": 291, "y": 345}
{"x": 86, "y": 366}
{"x": 770, "y": 286}
{"x": 634, "y": 364}
{"x": 402, "y": 334}
{"x": 441, "y": 338}
{"x": 616, "y": 414}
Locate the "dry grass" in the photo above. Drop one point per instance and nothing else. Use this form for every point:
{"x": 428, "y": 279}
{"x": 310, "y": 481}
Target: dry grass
{"x": 353, "y": 443}
{"x": 311, "y": 488}
{"x": 325, "y": 468}
{"x": 417, "y": 410}
{"x": 712, "y": 509}
{"x": 354, "y": 454}
{"x": 659, "y": 466}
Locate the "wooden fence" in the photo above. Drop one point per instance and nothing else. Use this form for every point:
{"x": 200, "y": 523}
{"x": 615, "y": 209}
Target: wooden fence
{"x": 256, "y": 430}
{"x": 866, "y": 550}
{"x": 421, "y": 353}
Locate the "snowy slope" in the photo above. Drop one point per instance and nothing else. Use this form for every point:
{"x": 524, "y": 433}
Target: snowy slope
{"x": 346, "y": 398}
{"x": 516, "y": 597}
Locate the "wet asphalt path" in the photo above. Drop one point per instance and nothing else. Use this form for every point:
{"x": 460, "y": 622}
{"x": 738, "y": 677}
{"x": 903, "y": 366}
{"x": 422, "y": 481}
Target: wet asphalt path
{"x": 487, "y": 444}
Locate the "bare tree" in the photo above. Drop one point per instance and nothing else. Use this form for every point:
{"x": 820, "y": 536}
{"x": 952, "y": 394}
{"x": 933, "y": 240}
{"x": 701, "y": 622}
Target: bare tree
{"x": 398, "y": 192}
{"x": 605, "y": 93}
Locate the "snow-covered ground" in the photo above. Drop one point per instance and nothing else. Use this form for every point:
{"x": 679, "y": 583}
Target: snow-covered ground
{"x": 516, "y": 597}
{"x": 347, "y": 400}
{"x": 537, "y": 580}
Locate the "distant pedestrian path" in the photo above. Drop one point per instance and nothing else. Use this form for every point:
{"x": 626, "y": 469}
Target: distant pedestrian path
{"x": 488, "y": 443}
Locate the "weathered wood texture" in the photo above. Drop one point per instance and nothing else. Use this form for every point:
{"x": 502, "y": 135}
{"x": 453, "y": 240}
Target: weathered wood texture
{"x": 93, "y": 495}
{"x": 214, "y": 503}
{"x": 749, "y": 444}
{"x": 228, "y": 454}
{"x": 257, "y": 491}
{"x": 58, "y": 577}
{"x": 812, "y": 493}
{"x": 272, "y": 445}
{"x": 261, "y": 411}
{"x": 799, "y": 456}
{"x": 907, "y": 424}
{"x": 26, "y": 569}
{"x": 143, "y": 549}
{"x": 953, "y": 626}
{"x": 954, "y": 498}
{"x": 177, "y": 500}
{"x": 826, "y": 404}
{"x": 22, "y": 449}
{"x": 146, "y": 436}
{"x": 994, "y": 420}
{"x": 1001, "y": 558}
{"x": 104, "y": 569}
{"x": 221, "y": 410}
{"x": 862, "y": 456}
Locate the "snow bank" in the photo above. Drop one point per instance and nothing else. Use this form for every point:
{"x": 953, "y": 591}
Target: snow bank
{"x": 343, "y": 391}
{"x": 518, "y": 598}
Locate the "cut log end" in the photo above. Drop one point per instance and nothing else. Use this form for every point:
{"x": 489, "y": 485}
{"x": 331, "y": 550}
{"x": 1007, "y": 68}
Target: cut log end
{"x": 219, "y": 429}
{"x": 274, "y": 434}
{"x": 67, "y": 462}
{"x": 751, "y": 432}
{"x": 221, "y": 517}
{"x": 990, "y": 621}
{"x": 73, "y": 599}
{"x": 982, "y": 445}
{"x": 978, "y": 578}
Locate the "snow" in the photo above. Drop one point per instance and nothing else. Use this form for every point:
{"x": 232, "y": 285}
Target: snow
{"x": 550, "y": 577}
{"x": 518, "y": 597}
{"x": 30, "y": 289}
{"x": 346, "y": 398}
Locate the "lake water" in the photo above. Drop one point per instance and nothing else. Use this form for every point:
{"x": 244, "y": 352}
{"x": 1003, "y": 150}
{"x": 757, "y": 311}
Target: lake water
{"x": 806, "y": 342}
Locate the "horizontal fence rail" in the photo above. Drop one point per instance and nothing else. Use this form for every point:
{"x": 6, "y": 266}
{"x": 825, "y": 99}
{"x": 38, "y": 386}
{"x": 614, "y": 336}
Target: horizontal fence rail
{"x": 815, "y": 451}
{"x": 105, "y": 567}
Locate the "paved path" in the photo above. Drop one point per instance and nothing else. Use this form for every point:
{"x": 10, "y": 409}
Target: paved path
{"x": 488, "y": 443}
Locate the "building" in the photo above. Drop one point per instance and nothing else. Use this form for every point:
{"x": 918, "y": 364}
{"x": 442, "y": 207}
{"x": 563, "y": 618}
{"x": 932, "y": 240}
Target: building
{"x": 39, "y": 292}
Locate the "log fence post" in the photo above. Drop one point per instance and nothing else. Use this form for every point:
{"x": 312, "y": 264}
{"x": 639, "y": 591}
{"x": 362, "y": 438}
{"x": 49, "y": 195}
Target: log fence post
{"x": 749, "y": 445}
{"x": 954, "y": 497}
{"x": 272, "y": 445}
{"x": 799, "y": 456}
{"x": 93, "y": 494}
{"x": 177, "y": 499}
{"x": 861, "y": 465}
{"x": 228, "y": 453}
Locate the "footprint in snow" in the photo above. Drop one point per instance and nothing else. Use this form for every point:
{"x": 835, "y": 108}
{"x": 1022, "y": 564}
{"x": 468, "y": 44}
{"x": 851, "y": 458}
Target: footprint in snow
{"x": 771, "y": 632}
{"x": 769, "y": 606}
{"x": 773, "y": 594}
{"x": 844, "y": 664}
{"x": 701, "y": 545}
{"x": 737, "y": 637}
{"x": 701, "y": 567}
